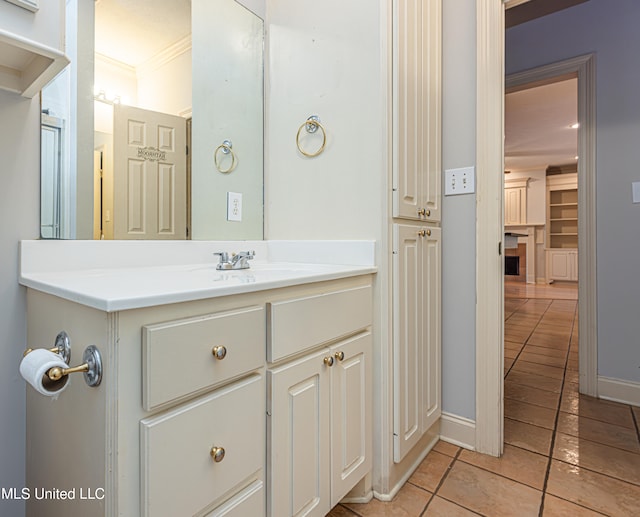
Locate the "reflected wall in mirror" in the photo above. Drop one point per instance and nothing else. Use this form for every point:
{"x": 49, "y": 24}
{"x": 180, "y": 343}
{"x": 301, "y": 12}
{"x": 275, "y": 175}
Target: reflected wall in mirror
{"x": 173, "y": 80}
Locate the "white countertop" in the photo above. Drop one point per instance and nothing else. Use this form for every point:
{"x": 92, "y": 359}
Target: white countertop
{"x": 121, "y": 275}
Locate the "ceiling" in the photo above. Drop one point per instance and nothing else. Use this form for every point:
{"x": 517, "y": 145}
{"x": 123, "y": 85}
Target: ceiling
{"x": 537, "y": 126}
{"x": 134, "y": 31}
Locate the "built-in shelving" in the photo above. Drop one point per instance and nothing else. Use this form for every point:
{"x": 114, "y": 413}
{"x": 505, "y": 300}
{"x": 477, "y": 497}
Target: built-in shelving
{"x": 26, "y": 65}
{"x": 562, "y": 227}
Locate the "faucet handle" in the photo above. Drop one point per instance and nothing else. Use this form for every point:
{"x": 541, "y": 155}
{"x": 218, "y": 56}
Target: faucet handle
{"x": 224, "y": 256}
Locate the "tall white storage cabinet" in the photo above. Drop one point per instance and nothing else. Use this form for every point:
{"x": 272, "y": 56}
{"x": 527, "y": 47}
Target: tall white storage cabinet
{"x": 416, "y": 217}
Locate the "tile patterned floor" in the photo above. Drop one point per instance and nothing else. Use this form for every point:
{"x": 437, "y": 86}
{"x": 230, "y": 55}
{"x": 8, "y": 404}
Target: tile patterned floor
{"x": 565, "y": 454}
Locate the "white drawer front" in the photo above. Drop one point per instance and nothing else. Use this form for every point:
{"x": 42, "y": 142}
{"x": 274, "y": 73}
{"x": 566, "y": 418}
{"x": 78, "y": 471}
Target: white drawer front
{"x": 247, "y": 502}
{"x": 179, "y": 475}
{"x": 177, "y": 358}
{"x": 302, "y": 323}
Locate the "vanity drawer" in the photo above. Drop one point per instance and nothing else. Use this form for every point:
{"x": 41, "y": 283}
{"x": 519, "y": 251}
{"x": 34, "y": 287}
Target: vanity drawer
{"x": 178, "y": 359}
{"x": 179, "y": 474}
{"x": 302, "y": 323}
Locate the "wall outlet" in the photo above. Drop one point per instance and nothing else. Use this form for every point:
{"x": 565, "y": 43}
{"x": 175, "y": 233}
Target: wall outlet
{"x": 234, "y": 206}
{"x": 459, "y": 181}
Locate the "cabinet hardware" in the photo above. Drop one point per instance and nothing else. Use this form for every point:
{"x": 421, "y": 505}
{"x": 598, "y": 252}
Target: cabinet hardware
{"x": 217, "y": 453}
{"x": 424, "y": 212}
{"x": 339, "y": 355}
{"x": 219, "y": 352}
{"x": 328, "y": 361}
{"x": 428, "y": 233}
{"x": 422, "y": 233}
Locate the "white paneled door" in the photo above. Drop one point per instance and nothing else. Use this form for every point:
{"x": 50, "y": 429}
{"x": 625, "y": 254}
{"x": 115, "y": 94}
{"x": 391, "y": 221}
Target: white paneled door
{"x": 150, "y": 174}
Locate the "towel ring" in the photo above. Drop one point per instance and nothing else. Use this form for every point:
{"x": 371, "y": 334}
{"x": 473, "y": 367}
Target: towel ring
{"x": 226, "y": 148}
{"x": 311, "y": 125}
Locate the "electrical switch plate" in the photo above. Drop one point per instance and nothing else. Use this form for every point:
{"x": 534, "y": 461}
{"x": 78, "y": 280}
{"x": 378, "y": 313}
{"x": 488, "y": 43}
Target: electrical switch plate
{"x": 635, "y": 189}
{"x": 234, "y": 206}
{"x": 459, "y": 181}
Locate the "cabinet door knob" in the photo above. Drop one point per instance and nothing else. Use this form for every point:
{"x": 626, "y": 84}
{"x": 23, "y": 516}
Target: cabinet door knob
{"x": 339, "y": 355}
{"x": 219, "y": 352}
{"x": 422, "y": 233}
{"x": 328, "y": 361}
{"x": 422, "y": 211}
{"x": 428, "y": 232}
{"x": 217, "y": 453}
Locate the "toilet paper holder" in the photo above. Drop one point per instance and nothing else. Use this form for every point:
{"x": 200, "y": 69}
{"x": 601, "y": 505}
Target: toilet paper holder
{"x": 62, "y": 347}
{"x": 91, "y": 365}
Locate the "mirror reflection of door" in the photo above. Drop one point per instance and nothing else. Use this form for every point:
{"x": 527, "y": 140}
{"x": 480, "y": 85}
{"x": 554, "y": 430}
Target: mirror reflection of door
{"x": 149, "y": 175}
{"x": 51, "y": 177}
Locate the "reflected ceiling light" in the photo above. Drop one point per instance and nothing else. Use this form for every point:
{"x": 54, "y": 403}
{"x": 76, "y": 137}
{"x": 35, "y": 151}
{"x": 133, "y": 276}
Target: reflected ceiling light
{"x": 575, "y": 157}
{"x": 575, "y": 126}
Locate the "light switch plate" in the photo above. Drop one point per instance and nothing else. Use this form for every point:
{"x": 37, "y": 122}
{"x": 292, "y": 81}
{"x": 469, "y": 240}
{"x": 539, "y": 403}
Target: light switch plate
{"x": 234, "y": 206}
{"x": 459, "y": 181}
{"x": 635, "y": 191}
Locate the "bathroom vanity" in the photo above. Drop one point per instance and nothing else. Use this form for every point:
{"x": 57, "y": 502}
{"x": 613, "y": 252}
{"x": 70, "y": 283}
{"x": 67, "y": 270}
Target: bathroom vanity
{"x": 223, "y": 392}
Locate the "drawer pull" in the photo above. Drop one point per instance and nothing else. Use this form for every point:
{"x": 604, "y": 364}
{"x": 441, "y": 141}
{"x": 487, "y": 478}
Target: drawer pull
{"x": 219, "y": 352}
{"x": 328, "y": 361}
{"x": 217, "y": 453}
{"x": 339, "y": 355}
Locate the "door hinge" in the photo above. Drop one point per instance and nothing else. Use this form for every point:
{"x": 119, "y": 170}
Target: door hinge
{"x": 500, "y": 248}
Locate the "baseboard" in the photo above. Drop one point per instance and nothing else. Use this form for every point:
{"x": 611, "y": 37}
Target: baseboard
{"x": 386, "y": 497}
{"x": 359, "y": 500}
{"x": 627, "y": 392}
{"x": 458, "y": 431}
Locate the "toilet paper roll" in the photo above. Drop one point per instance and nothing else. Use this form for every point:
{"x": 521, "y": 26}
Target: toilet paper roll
{"x": 34, "y": 368}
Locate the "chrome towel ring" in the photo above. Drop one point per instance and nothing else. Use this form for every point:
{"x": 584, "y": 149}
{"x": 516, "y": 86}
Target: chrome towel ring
{"x": 311, "y": 125}
{"x": 226, "y": 148}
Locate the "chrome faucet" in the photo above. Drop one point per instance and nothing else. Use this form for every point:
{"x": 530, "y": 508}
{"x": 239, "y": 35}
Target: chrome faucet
{"x": 238, "y": 260}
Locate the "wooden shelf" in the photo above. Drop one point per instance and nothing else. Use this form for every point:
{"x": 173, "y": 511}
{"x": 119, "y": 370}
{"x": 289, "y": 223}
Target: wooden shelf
{"x": 27, "y": 66}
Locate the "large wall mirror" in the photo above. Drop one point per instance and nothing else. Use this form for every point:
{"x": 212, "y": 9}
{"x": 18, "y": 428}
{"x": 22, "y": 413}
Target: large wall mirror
{"x": 156, "y": 129}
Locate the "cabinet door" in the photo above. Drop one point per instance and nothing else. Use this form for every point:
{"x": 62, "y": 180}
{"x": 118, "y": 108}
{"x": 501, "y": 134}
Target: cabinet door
{"x": 298, "y": 438}
{"x": 408, "y": 314}
{"x": 430, "y": 347}
{"x": 559, "y": 265}
{"x": 351, "y": 414}
{"x": 512, "y": 205}
{"x": 416, "y": 107}
{"x": 417, "y": 330}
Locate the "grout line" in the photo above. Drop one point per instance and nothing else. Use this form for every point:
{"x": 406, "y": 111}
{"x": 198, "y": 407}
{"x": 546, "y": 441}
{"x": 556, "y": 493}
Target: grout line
{"x": 442, "y": 480}
{"x": 555, "y": 423}
{"x": 635, "y": 421}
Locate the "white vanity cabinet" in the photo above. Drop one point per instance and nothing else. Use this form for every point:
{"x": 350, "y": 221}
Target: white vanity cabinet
{"x": 174, "y": 428}
{"x": 319, "y": 424}
{"x": 178, "y": 425}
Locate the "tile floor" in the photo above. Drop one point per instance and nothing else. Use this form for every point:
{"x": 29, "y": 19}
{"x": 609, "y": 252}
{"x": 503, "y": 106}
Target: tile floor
{"x": 564, "y": 455}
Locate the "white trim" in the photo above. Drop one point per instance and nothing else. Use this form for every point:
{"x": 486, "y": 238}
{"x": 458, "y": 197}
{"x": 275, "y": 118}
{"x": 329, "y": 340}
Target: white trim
{"x": 508, "y": 4}
{"x": 164, "y": 56}
{"x": 627, "y": 392}
{"x": 363, "y": 499}
{"x": 516, "y": 182}
{"x": 584, "y": 68}
{"x": 458, "y": 430}
{"x": 30, "y": 5}
{"x": 489, "y": 227}
{"x": 401, "y": 482}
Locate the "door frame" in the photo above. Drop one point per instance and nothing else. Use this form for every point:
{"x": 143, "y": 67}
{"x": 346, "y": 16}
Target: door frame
{"x": 490, "y": 219}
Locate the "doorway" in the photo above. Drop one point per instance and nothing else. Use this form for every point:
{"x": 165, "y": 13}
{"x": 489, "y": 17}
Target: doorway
{"x": 489, "y": 130}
